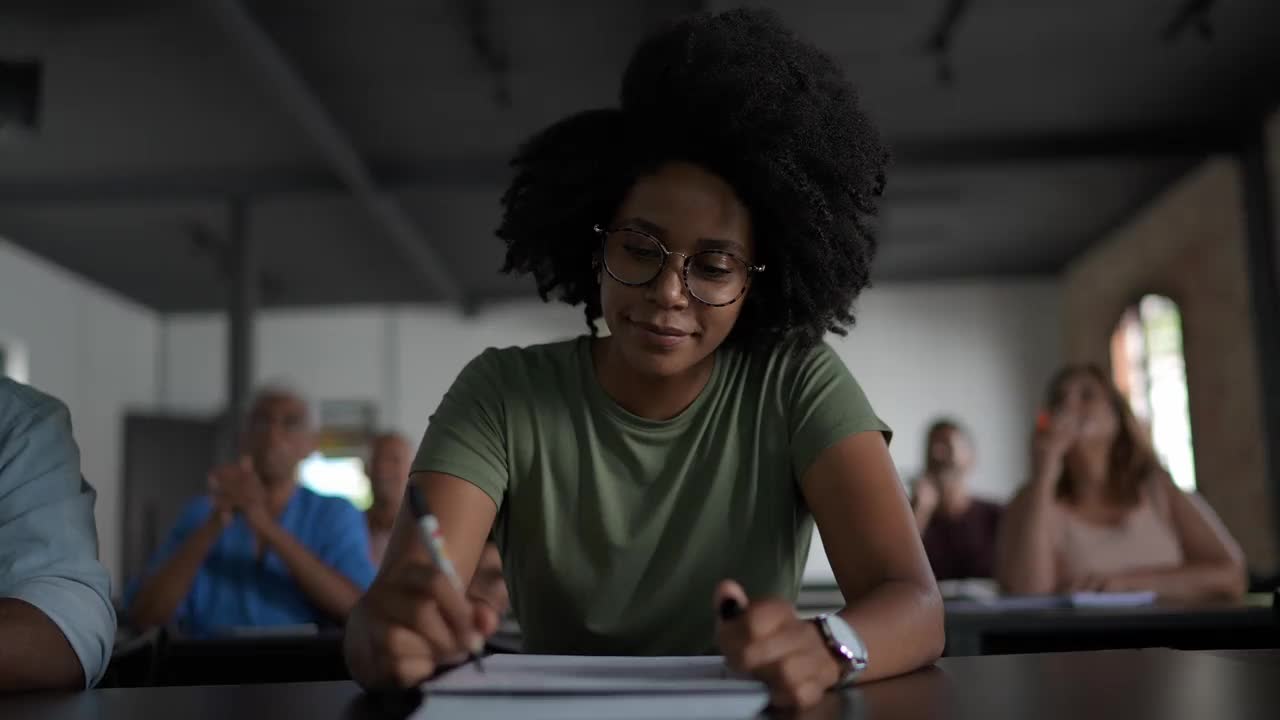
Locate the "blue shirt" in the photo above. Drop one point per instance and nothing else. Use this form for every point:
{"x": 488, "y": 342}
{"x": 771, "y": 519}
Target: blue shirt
{"x": 234, "y": 589}
{"x": 48, "y": 538}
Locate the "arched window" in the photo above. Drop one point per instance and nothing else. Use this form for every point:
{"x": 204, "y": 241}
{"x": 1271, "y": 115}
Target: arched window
{"x": 1149, "y": 368}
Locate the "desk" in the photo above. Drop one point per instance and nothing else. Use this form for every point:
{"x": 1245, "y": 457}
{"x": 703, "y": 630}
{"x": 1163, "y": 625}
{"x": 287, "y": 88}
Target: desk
{"x": 973, "y": 629}
{"x": 976, "y": 629}
{"x": 232, "y": 660}
{"x": 1110, "y": 685}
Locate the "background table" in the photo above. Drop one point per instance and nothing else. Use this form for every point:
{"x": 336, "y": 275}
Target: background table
{"x": 973, "y": 629}
{"x": 1111, "y": 685}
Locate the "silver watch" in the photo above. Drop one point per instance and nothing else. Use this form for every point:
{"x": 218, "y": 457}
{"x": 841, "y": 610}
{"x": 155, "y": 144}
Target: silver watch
{"x": 843, "y": 642}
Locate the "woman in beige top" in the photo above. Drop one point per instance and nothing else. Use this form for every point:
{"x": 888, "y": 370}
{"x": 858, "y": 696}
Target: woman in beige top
{"x": 1100, "y": 514}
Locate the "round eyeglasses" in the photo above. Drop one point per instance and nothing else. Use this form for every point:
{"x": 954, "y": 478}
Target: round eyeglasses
{"x": 712, "y": 277}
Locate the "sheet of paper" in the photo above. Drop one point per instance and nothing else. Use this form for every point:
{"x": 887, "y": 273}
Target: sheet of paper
{"x": 705, "y": 706}
{"x": 1112, "y": 599}
{"x": 593, "y": 675}
{"x": 1054, "y": 602}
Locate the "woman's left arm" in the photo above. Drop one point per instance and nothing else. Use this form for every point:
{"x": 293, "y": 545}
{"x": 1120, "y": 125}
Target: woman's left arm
{"x": 875, "y": 550}
{"x": 1213, "y": 566}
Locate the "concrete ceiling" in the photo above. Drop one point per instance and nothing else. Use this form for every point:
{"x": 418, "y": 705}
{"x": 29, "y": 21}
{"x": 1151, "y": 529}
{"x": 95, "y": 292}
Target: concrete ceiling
{"x": 1059, "y": 120}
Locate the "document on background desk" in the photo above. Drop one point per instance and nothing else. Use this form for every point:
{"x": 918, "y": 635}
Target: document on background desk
{"x": 593, "y": 675}
{"x": 1055, "y": 602}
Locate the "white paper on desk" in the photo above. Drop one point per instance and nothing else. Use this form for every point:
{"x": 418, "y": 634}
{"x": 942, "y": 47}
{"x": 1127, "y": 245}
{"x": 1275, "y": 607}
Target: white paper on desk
{"x": 1112, "y": 599}
{"x": 593, "y": 675}
{"x": 714, "y": 706}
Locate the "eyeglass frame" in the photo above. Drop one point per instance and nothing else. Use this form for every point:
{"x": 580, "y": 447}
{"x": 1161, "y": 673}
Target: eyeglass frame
{"x": 603, "y": 232}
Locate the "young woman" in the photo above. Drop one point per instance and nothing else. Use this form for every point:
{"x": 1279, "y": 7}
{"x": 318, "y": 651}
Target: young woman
{"x": 637, "y": 484}
{"x": 1100, "y": 514}
{"x": 958, "y": 529}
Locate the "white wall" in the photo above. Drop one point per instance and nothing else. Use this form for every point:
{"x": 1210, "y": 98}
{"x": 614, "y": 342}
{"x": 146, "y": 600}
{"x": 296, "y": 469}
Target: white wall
{"x": 93, "y": 350}
{"x": 980, "y": 351}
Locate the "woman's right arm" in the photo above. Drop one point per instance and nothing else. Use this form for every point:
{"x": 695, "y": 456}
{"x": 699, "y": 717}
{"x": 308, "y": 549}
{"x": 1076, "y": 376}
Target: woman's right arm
{"x": 412, "y": 619}
{"x": 1026, "y": 562}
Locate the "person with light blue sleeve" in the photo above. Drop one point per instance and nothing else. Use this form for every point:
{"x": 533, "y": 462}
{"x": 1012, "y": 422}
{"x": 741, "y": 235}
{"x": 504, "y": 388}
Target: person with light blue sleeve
{"x": 258, "y": 550}
{"x": 57, "y": 624}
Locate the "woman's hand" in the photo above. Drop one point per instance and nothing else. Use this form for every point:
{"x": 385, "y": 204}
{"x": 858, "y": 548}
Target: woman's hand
{"x": 926, "y": 495}
{"x": 1050, "y": 445}
{"x": 411, "y": 622}
{"x": 771, "y": 643}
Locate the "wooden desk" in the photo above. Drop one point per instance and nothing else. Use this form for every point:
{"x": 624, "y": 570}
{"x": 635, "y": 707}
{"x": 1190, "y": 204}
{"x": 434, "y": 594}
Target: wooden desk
{"x": 232, "y": 661}
{"x": 1112, "y": 685}
{"x": 975, "y": 629}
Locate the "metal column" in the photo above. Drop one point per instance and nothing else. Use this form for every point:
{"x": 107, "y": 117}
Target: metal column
{"x": 241, "y": 312}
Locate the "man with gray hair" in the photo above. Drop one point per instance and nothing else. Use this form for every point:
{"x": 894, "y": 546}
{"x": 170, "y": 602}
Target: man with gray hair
{"x": 259, "y": 550}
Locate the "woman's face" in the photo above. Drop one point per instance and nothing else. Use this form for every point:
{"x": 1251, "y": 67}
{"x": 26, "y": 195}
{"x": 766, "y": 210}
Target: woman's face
{"x": 659, "y": 328}
{"x": 1081, "y": 397}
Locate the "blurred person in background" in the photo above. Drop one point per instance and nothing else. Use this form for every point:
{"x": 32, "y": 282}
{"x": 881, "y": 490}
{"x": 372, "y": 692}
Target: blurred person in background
{"x": 1100, "y": 514}
{"x": 259, "y": 550}
{"x": 389, "y": 460}
{"x": 57, "y": 624}
{"x": 959, "y": 531}
{"x": 389, "y": 464}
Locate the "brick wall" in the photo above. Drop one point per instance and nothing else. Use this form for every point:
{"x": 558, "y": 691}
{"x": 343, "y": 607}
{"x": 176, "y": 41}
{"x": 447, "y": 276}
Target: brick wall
{"x": 1189, "y": 245}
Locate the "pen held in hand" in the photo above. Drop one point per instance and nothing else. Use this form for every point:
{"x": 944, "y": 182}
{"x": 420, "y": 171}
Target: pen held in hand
{"x": 429, "y": 531}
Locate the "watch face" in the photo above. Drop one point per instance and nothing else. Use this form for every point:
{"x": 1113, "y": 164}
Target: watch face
{"x": 845, "y": 635}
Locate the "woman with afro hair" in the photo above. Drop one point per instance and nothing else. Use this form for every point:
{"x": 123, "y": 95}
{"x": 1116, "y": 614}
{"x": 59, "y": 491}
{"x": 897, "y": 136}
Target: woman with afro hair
{"x": 653, "y": 491}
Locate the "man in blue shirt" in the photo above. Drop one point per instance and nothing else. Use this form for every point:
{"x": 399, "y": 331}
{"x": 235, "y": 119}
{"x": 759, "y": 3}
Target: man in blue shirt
{"x": 259, "y": 550}
{"x": 57, "y": 625}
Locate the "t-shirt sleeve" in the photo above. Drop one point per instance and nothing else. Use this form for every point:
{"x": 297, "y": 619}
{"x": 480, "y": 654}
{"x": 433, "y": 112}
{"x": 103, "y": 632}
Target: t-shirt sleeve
{"x": 48, "y": 538}
{"x": 466, "y": 436}
{"x": 827, "y": 405}
{"x": 346, "y": 543}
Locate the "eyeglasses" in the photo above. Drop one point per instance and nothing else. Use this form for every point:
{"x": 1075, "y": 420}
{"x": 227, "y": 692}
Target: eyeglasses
{"x": 712, "y": 277}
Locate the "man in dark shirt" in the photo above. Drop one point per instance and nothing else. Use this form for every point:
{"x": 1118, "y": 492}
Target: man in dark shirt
{"x": 958, "y": 530}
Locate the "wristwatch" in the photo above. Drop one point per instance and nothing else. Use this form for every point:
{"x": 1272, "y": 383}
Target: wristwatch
{"x": 843, "y": 642}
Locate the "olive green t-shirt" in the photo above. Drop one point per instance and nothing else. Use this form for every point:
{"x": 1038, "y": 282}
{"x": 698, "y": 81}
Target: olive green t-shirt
{"x": 615, "y": 529}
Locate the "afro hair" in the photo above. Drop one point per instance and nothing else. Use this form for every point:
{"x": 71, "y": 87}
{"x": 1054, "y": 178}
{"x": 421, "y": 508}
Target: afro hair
{"x": 738, "y": 94}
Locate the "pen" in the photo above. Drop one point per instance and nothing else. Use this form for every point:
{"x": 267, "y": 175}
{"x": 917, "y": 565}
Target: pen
{"x": 429, "y": 530}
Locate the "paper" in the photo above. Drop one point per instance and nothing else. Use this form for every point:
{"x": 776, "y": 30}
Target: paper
{"x": 1055, "y": 602}
{"x": 594, "y": 675}
{"x": 1112, "y": 599}
{"x": 729, "y": 706}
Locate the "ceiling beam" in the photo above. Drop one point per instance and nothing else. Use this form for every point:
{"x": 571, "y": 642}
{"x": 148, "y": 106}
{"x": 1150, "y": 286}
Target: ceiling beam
{"x": 270, "y": 65}
{"x": 491, "y": 173}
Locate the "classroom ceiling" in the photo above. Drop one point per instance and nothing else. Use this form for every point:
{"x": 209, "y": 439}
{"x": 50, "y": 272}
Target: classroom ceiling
{"x": 1042, "y": 125}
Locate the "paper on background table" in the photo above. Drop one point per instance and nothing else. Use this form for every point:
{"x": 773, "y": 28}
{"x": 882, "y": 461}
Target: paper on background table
{"x": 593, "y": 675}
{"x": 1112, "y": 599}
{"x": 1056, "y": 602}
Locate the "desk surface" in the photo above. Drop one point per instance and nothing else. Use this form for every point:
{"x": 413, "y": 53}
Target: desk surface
{"x": 1124, "y": 685}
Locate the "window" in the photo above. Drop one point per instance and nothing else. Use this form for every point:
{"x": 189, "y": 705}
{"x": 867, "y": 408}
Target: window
{"x": 1149, "y": 368}
{"x": 339, "y": 475}
{"x": 337, "y": 466}
{"x": 13, "y": 359}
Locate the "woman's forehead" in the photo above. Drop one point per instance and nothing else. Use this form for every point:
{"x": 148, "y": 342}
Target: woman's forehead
{"x": 682, "y": 201}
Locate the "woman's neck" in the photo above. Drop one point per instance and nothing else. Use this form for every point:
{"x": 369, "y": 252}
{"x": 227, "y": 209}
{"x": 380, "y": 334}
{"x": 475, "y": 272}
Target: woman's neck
{"x": 1089, "y": 467}
{"x": 649, "y": 397}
